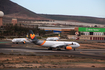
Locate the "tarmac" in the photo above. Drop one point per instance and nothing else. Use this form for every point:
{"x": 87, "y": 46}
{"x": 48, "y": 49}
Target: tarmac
{"x": 6, "y": 47}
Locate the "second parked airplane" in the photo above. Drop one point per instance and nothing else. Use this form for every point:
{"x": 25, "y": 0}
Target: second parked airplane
{"x": 53, "y": 38}
{"x": 22, "y": 40}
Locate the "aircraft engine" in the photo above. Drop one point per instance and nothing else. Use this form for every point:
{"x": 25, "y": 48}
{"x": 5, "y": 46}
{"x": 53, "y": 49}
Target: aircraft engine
{"x": 68, "y": 48}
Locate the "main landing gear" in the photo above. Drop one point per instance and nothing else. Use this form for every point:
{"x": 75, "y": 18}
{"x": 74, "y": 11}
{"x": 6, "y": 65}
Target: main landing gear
{"x": 74, "y": 49}
{"x": 49, "y": 48}
{"x": 16, "y": 42}
{"x": 59, "y": 49}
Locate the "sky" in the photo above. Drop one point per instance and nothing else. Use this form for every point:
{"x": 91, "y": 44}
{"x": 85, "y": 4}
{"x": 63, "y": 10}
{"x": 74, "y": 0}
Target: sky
{"x": 92, "y": 8}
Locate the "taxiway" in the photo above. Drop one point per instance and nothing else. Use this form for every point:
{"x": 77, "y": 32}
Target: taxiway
{"x": 6, "y": 47}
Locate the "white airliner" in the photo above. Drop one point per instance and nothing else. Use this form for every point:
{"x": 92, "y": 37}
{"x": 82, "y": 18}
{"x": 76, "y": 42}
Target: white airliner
{"x": 53, "y": 44}
{"x": 22, "y": 40}
{"x": 53, "y": 38}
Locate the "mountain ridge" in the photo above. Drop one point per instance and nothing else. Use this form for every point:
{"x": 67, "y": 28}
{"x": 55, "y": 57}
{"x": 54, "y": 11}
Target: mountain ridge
{"x": 85, "y": 19}
{"x": 13, "y": 10}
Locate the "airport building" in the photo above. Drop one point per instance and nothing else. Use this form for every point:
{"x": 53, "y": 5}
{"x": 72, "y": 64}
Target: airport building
{"x": 85, "y": 33}
{"x": 62, "y": 30}
{"x": 91, "y": 33}
{"x": 14, "y": 21}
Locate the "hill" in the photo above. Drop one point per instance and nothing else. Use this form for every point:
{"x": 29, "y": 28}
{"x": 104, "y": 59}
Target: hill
{"x": 75, "y": 18}
{"x": 13, "y": 10}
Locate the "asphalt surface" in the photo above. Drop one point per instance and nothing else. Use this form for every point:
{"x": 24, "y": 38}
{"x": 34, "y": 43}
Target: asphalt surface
{"x": 6, "y": 47}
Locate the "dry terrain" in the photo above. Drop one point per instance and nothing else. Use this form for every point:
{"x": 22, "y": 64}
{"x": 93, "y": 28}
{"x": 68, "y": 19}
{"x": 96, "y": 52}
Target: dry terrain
{"x": 51, "y": 61}
{"x": 92, "y": 46}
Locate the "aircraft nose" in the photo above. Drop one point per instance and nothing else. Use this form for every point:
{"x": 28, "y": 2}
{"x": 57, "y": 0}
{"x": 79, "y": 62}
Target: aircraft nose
{"x": 78, "y": 44}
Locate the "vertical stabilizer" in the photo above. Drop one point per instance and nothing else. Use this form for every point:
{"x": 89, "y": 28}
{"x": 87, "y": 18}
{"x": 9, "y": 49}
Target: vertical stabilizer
{"x": 59, "y": 35}
{"x": 27, "y": 36}
{"x": 32, "y": 36}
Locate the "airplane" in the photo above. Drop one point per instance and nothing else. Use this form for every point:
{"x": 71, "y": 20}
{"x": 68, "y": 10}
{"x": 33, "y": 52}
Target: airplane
{"x": 53, "y": 44}
{"x": 23, "y": 40}
{"x": 53, "y": 38}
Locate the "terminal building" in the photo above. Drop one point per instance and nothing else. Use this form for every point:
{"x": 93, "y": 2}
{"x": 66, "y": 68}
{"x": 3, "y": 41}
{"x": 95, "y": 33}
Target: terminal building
{"x": 54, "y": 29}
{"x": 14, "y": 21}
{"x": 91, "y": 33}
{"x": 62, "y": 30}
{"x": 85, "y": 33}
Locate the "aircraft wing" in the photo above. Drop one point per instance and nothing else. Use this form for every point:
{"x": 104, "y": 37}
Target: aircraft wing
{"x": 58, "y": 45}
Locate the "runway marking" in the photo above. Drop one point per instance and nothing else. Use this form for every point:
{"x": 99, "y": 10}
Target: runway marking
{"x": 26, "y": 50}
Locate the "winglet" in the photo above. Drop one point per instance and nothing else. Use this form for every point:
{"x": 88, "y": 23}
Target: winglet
{"x": 59, "y": 35}
{"x": 27, "y": 36}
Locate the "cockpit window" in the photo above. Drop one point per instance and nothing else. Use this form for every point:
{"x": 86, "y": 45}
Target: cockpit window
{"x": 73, "y": 44}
